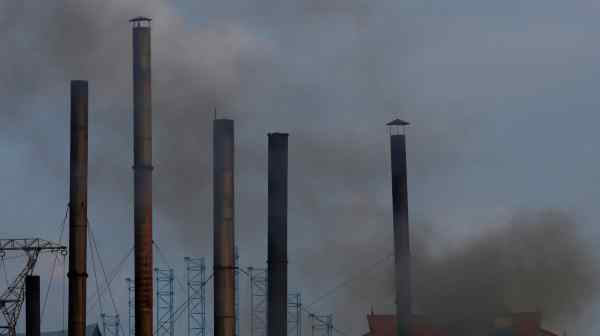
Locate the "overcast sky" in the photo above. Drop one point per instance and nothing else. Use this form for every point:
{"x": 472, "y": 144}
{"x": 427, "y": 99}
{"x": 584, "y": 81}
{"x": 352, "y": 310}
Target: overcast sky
{"x": 502, "y": 97}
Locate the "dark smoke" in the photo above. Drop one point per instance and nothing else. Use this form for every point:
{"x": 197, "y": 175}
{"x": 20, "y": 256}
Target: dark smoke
{"x": 235, "y": 66}
{"x": 538, "y": 261}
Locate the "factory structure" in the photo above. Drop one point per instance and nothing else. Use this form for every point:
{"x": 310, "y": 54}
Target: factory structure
{"x": 516, "y": 324}
{"x": 275, "y": 310}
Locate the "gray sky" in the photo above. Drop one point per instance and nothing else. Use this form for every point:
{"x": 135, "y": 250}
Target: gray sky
{"x": 500, "y": 96}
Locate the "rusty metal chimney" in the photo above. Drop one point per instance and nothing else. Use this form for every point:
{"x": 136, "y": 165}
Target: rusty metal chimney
{"x": 142, "y": 169}
{"x": 78, "y": 208}
{"x": 277, "y": 235}
{"x": 32, "y": 305}
{"x": 401, "y": 230}
{"x": 223, "y": 212}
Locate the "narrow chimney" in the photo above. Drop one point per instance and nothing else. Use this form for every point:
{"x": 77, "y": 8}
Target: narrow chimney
{"x": 277, "y": 232}
{"x": 78, "y": 208}
{"x": 142, "y": 169}
{"x": 401, "y": 230}
{"x": 223, "y": 212}
{"x": 32, "y": 305}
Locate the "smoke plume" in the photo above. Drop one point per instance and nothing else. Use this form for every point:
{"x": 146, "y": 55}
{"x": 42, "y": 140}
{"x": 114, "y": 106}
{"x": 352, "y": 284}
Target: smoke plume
{"x": 537, "y": 261}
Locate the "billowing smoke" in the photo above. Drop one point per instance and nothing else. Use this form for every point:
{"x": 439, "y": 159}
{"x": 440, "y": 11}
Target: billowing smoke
{"x": 537, "y": 261}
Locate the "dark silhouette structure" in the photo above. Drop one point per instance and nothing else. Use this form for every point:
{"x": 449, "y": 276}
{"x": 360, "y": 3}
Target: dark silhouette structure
{"x": 277, "y": 235}
{"x": 32, "y": 305}
{"x": 142, "y": 170}
{"x": 78, "y": 208}
{"x": 401, "y": 229}
{"x": 223, "y": 212}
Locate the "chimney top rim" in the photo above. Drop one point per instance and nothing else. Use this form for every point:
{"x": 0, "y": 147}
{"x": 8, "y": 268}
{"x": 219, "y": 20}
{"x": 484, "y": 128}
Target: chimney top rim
{"x": 398, "y": 122}
{"x": 140, "y": 18}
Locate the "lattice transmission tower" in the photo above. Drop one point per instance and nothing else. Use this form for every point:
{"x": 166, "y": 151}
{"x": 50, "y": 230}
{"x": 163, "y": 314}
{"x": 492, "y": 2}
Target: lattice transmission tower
{"x": 322, "y": 325}
{"x": 12, "y": 299}
{"x": 196, "y": 292}
{"x": 258, "y": 301}
{"x": 294, "y": 314}
{"x": 131, "y": 306}
{"x": 111, "y": 324}
{"x": 165, "y": 320}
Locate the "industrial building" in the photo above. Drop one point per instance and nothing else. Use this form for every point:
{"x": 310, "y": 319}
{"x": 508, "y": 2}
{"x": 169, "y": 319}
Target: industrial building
{"x": 515, "y": 324}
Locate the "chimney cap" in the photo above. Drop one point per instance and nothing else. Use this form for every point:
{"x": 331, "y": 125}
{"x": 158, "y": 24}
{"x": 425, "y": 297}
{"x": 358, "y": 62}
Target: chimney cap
{"x": 398, "y": 122}
{"x": 397, "y": 126}
{"x": 140, "y": 22}
{"x": 140, "y": 19}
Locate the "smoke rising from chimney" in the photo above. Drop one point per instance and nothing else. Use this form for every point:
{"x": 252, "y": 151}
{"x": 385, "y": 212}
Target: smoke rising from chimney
{"x": 537, "y": 261}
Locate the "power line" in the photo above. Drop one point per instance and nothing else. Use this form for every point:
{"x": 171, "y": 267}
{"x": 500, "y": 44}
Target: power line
{"x": 364, "y": 271}
{"x": 347, "y": 281}
{"x": 315, "y": 316}
{"x": 96, "y": 280}
{"x": 115, "y": 272}
{"x": 60, "y": 236}
{"x": 95, "y": 245}
{"x": 104, "y": 273}
{"x": 48, "y": 288}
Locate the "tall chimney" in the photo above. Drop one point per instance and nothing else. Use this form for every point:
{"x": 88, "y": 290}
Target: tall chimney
{"x": 142, "y": 169}
{"x": 78, "y": 208}
{"x": 223, "y": 212}
{"x": 32, "y": 305}
{"x": 277, "y": 241}
{"x": 401, "y": 232}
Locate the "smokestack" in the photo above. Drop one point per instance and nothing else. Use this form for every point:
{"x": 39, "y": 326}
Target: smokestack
{"x": 277, "y": 245}
{"x": 224, "y": 251}
{"x": 401, "y": 232}
{"x": 78, "y": 208}
{"x": 142, "y": 169}
{"x": 32, "y": 305}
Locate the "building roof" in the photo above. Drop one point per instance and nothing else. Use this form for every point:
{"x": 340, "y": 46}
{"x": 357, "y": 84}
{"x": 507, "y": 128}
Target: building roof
{"x": 385, "y": 325}
{"x": 381, "y": 324}
{"x": 517, "y": 324}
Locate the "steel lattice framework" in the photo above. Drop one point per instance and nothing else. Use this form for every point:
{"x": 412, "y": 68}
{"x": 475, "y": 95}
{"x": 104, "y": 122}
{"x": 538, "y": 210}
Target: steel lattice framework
{"x": 196, "y": 290}
{"x": 111, "y": 325}
{"x": 258, "y": 301}
{"x": 165, "y": 320}
{"x": 131, "y": 306}
{"x": 294, "y": 314}
{"x": 322, "y": 325}
{"x": 11, "y": 301}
